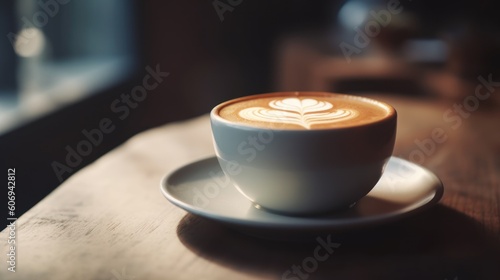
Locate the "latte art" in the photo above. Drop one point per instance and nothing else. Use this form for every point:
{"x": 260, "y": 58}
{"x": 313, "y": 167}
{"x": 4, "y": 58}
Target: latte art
{"x": 304, "y": 112}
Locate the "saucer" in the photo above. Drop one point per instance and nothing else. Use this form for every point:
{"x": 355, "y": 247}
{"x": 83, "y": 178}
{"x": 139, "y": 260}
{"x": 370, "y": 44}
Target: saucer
{"x": 202, "y": 189}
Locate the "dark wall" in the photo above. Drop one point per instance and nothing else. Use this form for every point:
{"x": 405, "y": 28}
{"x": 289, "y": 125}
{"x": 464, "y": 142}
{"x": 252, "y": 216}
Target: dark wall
{"x": 212, "y": 60}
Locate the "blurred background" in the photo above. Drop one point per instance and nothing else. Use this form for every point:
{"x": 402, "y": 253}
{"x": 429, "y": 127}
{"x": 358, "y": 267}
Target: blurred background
{"x": 65, "y": 65}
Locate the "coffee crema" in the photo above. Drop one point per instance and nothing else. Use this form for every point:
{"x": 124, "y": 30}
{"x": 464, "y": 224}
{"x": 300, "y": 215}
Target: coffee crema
{"x": 303, "y": 110}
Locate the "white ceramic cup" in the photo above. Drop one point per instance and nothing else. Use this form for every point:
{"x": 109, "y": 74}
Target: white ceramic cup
{"x": 303, "y": 172}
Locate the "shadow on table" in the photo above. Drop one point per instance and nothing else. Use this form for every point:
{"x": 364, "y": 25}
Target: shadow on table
{"x": 440, "y": 243}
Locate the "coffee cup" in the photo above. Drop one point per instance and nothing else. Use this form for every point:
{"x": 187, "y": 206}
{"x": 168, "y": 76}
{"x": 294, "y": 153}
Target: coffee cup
{"x": 303, "y": 153}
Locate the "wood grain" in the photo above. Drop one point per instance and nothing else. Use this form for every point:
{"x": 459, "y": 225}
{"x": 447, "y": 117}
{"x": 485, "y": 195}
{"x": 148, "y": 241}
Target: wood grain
{"x": 109, "y": 221}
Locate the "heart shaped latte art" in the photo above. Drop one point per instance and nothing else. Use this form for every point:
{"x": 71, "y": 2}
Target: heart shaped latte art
{"x": 304, "y": 112}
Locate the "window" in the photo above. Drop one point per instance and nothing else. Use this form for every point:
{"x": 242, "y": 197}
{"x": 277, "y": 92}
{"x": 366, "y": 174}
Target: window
{"x": 56, "y": 52}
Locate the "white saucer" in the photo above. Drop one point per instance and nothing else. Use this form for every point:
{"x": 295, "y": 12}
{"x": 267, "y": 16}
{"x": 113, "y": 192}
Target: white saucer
{"x": 202, "y": 189}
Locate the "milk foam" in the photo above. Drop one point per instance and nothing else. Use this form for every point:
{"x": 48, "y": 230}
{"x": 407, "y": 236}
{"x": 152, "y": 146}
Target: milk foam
{"x": 303, "y": 112}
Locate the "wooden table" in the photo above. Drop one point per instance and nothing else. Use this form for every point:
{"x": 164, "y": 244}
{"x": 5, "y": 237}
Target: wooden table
{"x": 109, "y": 221}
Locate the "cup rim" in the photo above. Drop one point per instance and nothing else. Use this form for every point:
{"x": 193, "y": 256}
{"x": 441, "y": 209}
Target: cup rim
{"x": 215, "y": 115}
